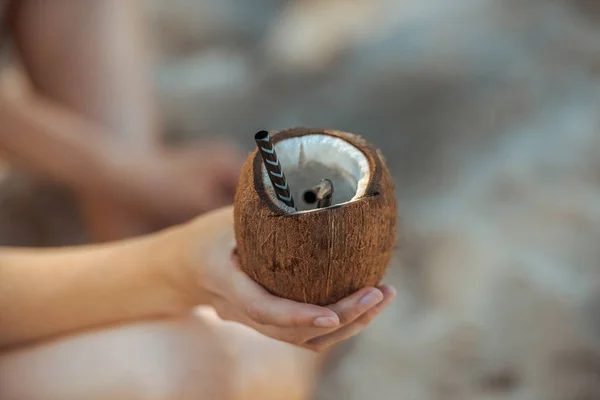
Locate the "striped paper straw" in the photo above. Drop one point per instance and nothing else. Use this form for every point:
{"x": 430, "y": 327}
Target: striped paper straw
{"x": 274, "y": 170}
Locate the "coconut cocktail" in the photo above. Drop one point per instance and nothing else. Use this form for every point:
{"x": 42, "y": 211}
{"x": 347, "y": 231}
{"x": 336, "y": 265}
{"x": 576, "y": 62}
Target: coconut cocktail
{"x": 315, "y": 251}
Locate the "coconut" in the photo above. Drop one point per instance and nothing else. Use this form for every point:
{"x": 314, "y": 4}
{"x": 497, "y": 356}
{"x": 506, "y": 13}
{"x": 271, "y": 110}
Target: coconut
{"x": 322, "y": 255}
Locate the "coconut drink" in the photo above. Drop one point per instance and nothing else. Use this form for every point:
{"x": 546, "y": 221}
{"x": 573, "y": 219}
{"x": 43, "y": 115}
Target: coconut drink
{"x": 315, "y": 215}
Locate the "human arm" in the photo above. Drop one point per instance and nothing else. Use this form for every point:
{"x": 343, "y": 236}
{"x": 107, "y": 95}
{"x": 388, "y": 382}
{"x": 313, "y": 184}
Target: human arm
{"x": 49, "y": 292}
{"x": 46, "y": 139}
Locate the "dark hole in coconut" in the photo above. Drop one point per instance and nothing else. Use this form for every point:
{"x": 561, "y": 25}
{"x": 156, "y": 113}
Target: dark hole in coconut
{"x": 310, "y": 197}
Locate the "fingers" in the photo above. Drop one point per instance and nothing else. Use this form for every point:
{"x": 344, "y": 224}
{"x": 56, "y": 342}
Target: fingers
{"x": 355, "y": 305}
{"x": 271, "y": 310}
{"x": 266, "y": 309}
{"x": 225, "y": 279}
{"x": 315, "y": 339}
{"x": 323, "y": 342}
{"x": 348, "y": 310}
{"x": 298, "y": 323}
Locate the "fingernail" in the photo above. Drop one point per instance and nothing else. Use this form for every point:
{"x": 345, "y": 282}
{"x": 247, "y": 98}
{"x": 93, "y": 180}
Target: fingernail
{"x": 326, "y": 322}
{"x": 371, "y": 298}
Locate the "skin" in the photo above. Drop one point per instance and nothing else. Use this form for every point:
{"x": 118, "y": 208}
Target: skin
{"x": 50, "y": 292}
{"x": 81, "y": 113}
{"x": 207, "y": 358}
{"x": 167, "y": 315}
{"x": 87, "y": 119}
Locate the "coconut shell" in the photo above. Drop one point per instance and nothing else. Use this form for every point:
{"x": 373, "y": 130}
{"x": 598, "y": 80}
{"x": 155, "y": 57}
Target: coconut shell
{"x": 320, "y": 256}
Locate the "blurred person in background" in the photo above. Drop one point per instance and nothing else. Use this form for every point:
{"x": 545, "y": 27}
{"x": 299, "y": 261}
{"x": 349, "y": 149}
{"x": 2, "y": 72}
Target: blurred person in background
{"x": 84, "y": 115}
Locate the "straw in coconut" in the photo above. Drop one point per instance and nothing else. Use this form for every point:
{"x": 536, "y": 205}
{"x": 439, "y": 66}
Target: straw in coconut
{"x": 274, "y": 169}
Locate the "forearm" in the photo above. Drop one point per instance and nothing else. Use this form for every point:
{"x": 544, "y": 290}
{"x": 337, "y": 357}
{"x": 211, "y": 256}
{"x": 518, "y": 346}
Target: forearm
{"x": 52, "y": 291}
{"x": 46, "y": 138}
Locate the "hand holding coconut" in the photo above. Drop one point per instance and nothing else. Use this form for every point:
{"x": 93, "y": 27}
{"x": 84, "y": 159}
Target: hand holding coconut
{"x": 49, "y": 292}
{"x": 329, "y": 254}
{"x": 218, "y": 280}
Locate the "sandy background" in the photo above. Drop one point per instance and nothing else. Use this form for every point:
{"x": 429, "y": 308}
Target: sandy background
{"x": 488, "y": 112}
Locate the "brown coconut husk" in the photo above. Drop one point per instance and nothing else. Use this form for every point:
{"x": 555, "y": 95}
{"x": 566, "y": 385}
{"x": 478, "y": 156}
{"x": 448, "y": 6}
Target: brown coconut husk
{"x": 321, "y": 256}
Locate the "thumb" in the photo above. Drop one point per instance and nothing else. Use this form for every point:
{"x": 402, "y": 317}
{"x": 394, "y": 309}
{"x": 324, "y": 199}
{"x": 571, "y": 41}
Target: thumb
{"x": 215, "y": 254}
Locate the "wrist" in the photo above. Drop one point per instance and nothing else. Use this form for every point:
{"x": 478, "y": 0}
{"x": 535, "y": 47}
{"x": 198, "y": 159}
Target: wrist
{"x": 193, "y": 255}
{"x": 170, "y": 256}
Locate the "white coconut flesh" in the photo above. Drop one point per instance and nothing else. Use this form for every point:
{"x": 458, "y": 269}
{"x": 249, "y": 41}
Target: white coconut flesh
{"x": 308, "y": 159}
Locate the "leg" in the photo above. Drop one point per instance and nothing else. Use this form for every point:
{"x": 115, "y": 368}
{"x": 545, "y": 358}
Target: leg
{"x": 178, "y": 359}
{"x": 90, "y": 57}
{"x": 190, "y": 358}
{"x": 264, "y": 368}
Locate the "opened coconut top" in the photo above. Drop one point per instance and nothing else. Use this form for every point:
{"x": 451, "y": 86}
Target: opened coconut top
{"x": 309, "y": 158}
